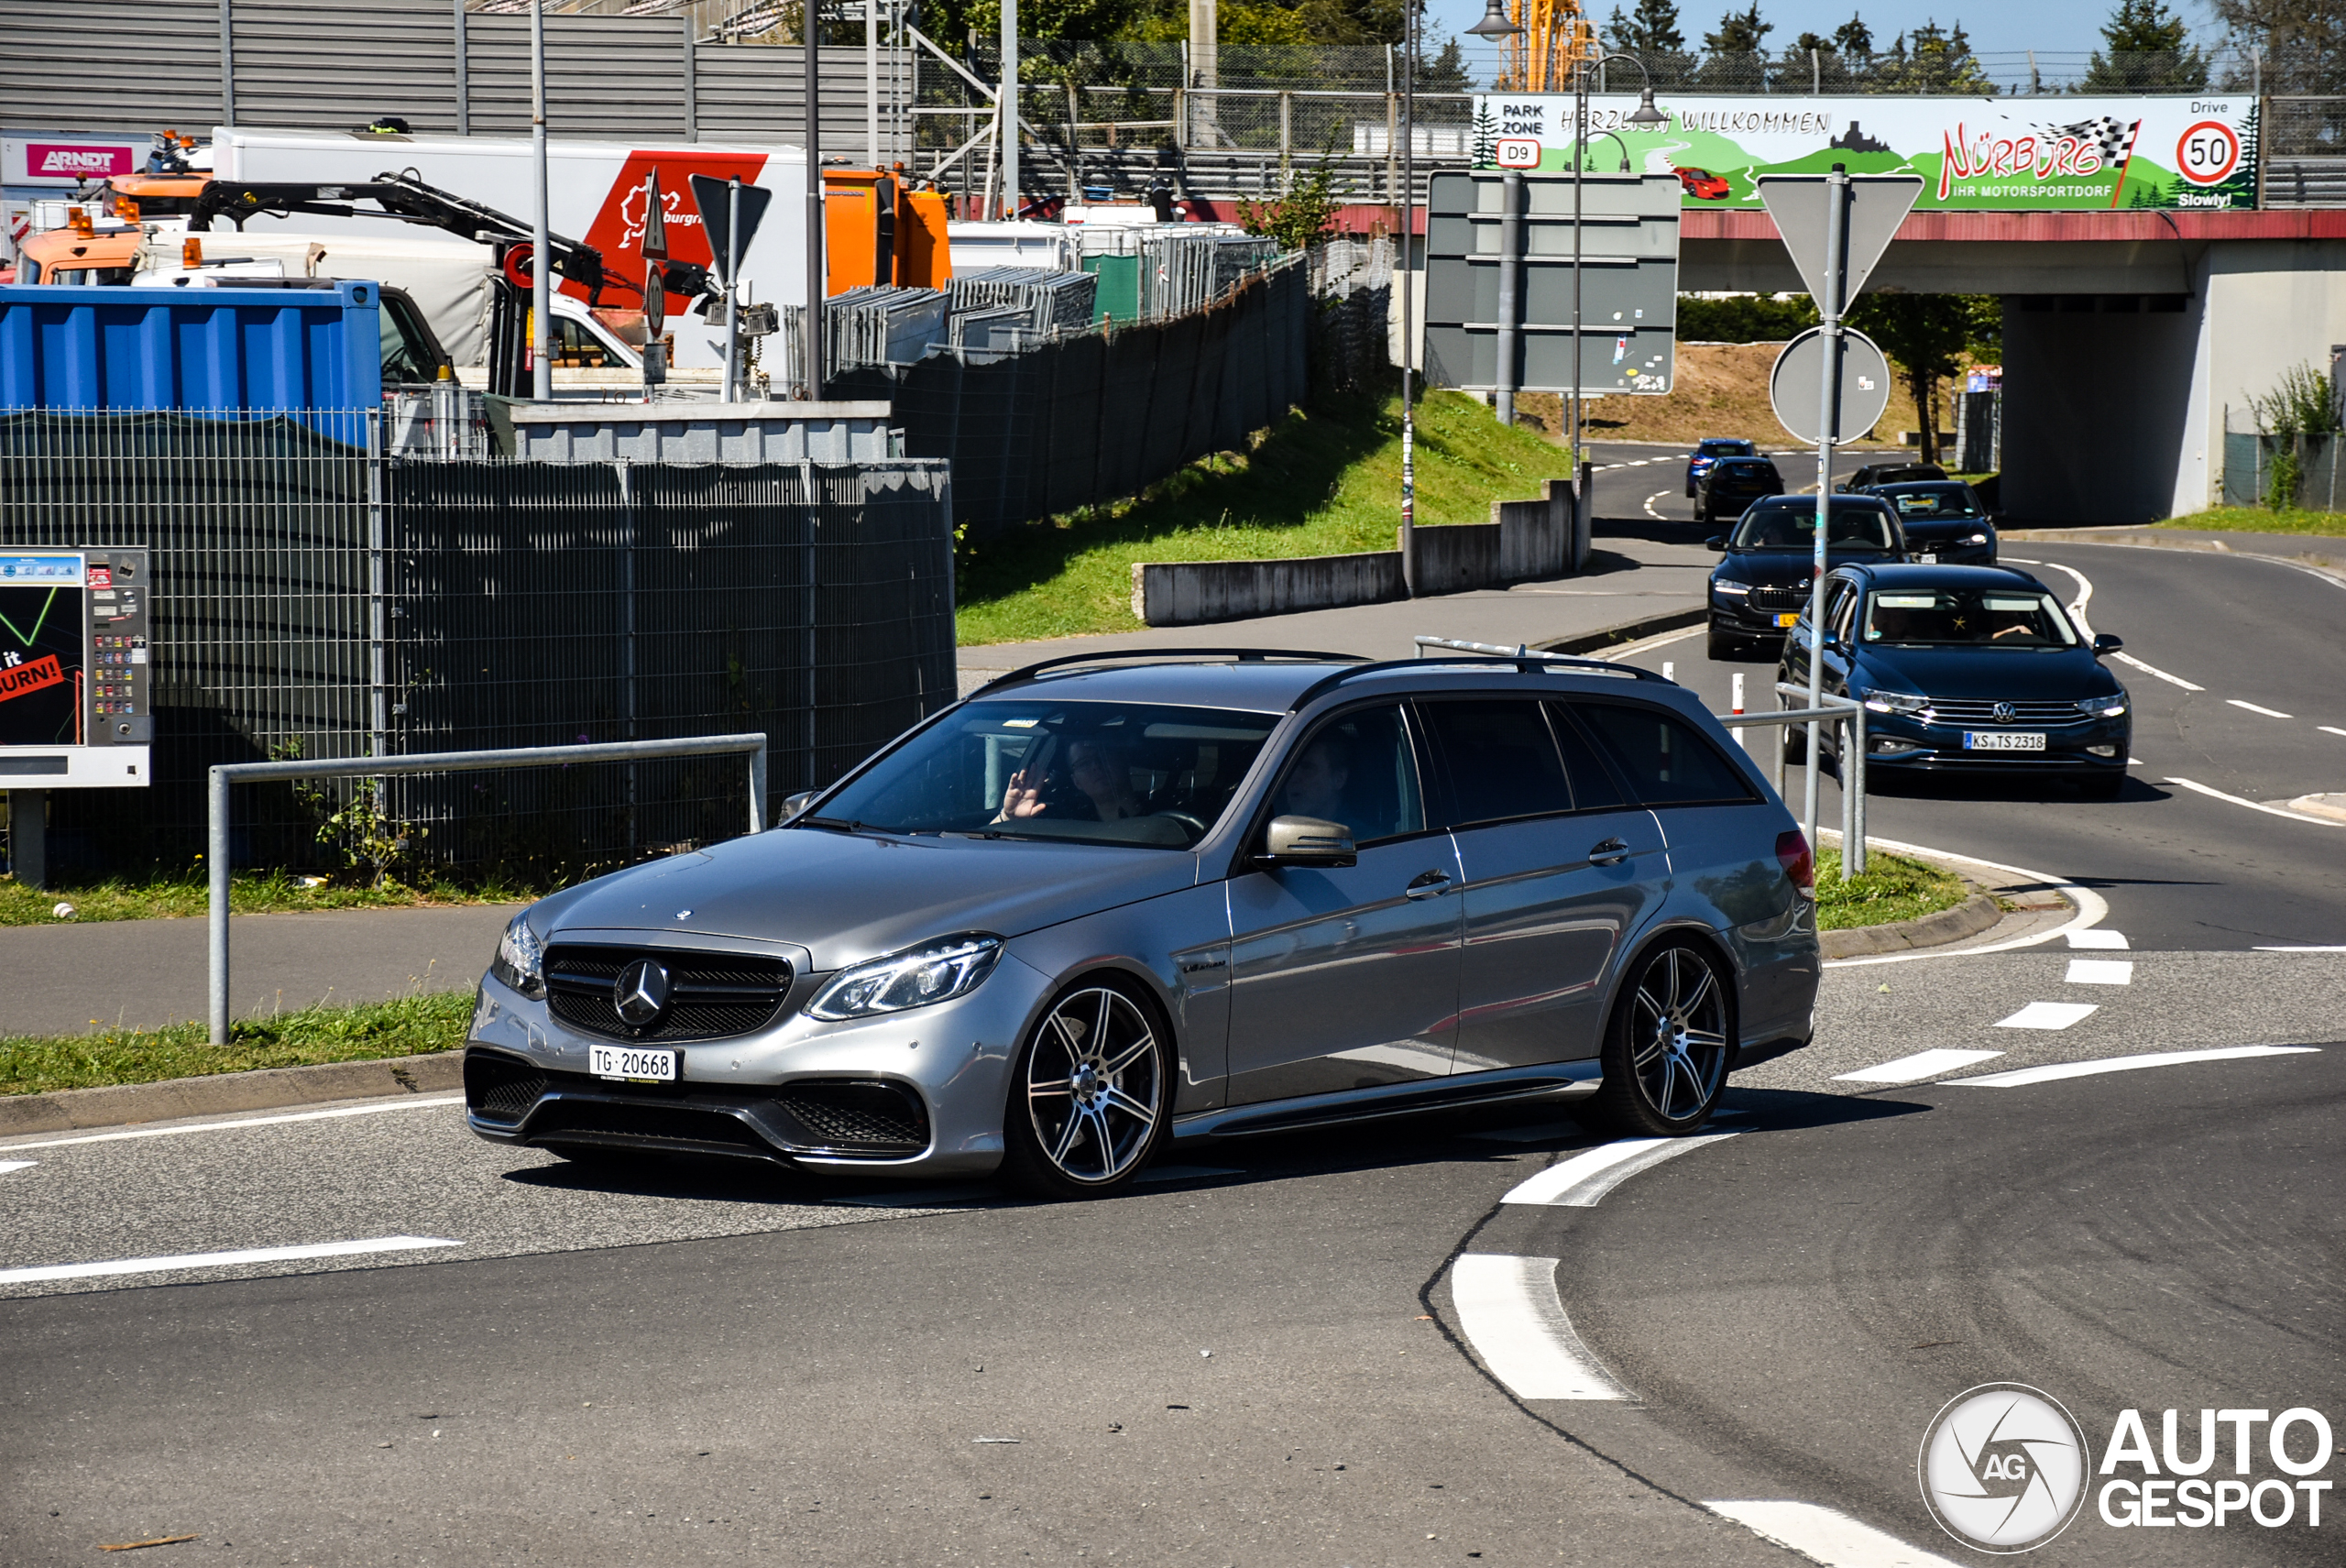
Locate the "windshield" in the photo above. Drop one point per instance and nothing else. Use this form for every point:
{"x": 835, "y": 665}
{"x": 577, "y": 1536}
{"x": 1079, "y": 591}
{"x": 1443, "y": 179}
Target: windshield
{"x": 1725, "y": 449}
{"x": 1969, "y": 617}
{"x": 1097, "y": 772}
{"x": 1923, "y": 503}
{"x": 1853, "y": 528}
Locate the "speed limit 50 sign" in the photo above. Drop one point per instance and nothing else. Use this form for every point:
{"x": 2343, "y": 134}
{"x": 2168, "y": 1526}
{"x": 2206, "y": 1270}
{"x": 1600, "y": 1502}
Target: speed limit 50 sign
{"x": 2208, "y": 153}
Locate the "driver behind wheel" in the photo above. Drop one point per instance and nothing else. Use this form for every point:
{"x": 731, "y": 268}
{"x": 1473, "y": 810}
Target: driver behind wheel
{"x": 1099, "y": 774}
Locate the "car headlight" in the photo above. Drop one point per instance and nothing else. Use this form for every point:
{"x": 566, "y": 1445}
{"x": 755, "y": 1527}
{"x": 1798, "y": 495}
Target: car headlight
{"x": 1975, "y": 539}
{"x": 1721, "y": 585}
{"x": 2104, "y": 707}
{"x": 521, "y": 960}
{"x": 934, "y": 972}
{"x": 1897, "y": 702}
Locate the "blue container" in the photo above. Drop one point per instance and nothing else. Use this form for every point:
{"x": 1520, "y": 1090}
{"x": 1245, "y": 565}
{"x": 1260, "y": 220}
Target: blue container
{"x": 192, "y": 350}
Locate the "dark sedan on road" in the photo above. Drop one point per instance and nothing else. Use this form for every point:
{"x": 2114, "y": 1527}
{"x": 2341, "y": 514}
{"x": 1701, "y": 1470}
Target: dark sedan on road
{"x": 1731, "y": 484}
{"x": 1944, "y": 523}
{"x": 1872, "y": 474}
{"x": 1707, "y": 452}
{"x": 1970, "y": 669}
{"x": 1761, "y": 585}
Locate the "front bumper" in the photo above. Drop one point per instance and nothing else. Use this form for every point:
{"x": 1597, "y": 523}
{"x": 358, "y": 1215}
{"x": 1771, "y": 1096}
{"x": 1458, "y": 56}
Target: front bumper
{"x": 1734, "y": 616}
{"x": 919, "y": 1092}
{"x": 1946, "y": 553}
{"x": 2093, "y": 748}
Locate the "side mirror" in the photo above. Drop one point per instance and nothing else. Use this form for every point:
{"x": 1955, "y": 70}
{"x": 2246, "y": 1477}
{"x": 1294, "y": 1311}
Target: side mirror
{"x": 2106, "y": 644}
{"x": 793, "y": 805}
{"x": 1307, "y": 841}
{"x": 1716, "y": 542}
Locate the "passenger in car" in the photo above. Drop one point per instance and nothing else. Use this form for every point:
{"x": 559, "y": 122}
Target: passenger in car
{"x": 1100, "y": 774}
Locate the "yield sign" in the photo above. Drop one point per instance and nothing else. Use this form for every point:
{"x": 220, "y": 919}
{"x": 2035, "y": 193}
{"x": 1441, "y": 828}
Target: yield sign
{"x": 1800, "y": 205}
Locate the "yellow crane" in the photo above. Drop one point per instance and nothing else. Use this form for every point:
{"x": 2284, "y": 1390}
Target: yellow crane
{"x": 1555, "y": 34}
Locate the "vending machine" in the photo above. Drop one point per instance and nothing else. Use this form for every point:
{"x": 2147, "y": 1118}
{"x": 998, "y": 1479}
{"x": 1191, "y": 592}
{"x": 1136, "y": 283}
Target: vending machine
{"x": 76, "y": 684}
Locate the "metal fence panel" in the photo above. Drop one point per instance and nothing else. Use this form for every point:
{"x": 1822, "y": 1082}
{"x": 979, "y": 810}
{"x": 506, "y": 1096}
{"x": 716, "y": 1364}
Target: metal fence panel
{"x": 134, "y": 66}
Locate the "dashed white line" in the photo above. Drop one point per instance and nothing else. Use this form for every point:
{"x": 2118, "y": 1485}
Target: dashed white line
{"x": 2097, "y": 938}
{"x": 2253, "y": 708}
{"x": 2301, "y": 949}
{"x": 417, "y": 1102}
{"x": 1581, "y": 1181}
{"x": 2255, "y": 804}
{"x": 2027, "y": 1075}
{"x": 1649, "y": 508}
{"x": 2100, "y": 971}
{"x": 2329, "y": 729}
{"x": 219, "y": 1259}
{"x": 2154, "y": 670}
{"x": 1824, "y": 1535}
{"x": 1509, "y": 1311}
{"x": 2048, "y": 1015}
{"x": 1914, "y": 1068}
{"x": 8, "y": 1165}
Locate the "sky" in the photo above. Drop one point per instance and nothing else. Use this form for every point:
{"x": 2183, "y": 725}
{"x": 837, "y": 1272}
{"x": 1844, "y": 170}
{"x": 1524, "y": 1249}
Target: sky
{"x": 1995, "y": 26}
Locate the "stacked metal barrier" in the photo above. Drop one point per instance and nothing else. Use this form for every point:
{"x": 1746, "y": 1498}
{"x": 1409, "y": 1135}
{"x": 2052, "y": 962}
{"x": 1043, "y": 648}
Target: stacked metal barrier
{"x": 1184, "y": 272}
{"x": 873, "y": 325}
{"x": 1053, "y": 301}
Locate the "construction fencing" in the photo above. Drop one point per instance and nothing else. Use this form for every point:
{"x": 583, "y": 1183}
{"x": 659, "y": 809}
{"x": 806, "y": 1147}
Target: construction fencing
{"x": 313, "y": 599}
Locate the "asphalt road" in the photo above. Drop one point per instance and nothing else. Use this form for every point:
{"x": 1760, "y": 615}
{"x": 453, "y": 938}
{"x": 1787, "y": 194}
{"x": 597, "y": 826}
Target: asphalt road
{"x": 2106, "y": 1164}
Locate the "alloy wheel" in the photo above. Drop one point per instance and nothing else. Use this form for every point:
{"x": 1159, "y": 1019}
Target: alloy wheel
{"x": 1677, "y": 1032}
{"x": 1095, "y": 1086}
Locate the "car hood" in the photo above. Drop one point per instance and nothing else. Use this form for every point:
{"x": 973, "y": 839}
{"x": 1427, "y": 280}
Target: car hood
{"x": 846, "y": 897}
{"x": 1939, "y": 529}
{"x": 1781, "y": 568}
{"x": 2011, "y": 674}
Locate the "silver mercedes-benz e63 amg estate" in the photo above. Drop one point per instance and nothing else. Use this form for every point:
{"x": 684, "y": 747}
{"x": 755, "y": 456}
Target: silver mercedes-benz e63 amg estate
{"x": 1107, "y": 903}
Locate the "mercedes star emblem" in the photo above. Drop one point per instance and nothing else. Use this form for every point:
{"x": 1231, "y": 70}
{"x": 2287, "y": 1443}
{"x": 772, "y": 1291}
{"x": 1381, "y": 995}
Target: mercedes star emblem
{"x": 641, "y": 992}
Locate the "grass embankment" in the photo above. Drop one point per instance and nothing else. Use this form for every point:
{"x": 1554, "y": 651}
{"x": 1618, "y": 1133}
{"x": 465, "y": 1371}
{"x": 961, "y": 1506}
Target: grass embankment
{"x": 2257, "y": 520}
{"x": 1893, "y": 888}
{"x": 1325, "y": 482}
{"x": 1719, "y": 389}
{"x": 274, "y": 893}
{"x": 412, "y": 1025}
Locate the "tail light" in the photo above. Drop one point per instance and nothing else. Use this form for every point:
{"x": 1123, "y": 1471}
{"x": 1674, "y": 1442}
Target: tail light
{"x": 1793, "y": 853}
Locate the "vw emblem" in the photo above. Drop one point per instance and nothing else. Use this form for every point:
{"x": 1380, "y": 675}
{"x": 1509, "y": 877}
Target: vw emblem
{"x": 641, "y": 992}
{"x": 2005, "y": 712}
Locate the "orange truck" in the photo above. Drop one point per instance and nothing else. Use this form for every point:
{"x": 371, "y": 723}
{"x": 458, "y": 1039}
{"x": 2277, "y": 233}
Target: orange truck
{"x": 878, "y": 229}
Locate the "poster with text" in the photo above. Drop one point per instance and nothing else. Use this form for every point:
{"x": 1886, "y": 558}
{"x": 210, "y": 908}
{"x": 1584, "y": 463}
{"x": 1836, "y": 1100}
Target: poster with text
{"x": 1974, "y": 154}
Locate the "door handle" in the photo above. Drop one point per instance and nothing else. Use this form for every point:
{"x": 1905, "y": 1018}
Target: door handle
{"x": 1426, "y": 884}
{"x": 1611, "y": 853}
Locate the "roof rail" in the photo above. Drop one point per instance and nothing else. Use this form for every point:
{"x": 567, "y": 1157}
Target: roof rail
{"x": 1525, "y": 660}
{"x": 1243, "y": 656}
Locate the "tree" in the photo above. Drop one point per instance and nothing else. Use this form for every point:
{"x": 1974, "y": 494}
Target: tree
{"x": 1740, "y": 32}
{"x": 1925, "y": 334}
{"x": 2148, "y": 48}
{"x": 1853, "y": 38}
{"x": 1939, "y": 61}
{"x": 1654, "y": 29}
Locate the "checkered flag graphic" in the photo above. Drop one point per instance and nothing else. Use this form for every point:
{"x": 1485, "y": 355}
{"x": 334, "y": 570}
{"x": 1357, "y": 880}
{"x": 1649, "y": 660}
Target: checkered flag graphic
{"x": 2115, "y": 138}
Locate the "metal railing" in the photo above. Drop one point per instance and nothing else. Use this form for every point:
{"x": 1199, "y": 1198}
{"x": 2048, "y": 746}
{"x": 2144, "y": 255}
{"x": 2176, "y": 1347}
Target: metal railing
{"x": 229, "y": 774}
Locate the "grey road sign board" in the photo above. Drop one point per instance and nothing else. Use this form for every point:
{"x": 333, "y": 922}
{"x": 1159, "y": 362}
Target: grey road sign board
{"x": 1864, "y": 390}
{"x": 1628, "y": 283}
{"x": 712, "y": 197}
{"x": 1877, "y": 204}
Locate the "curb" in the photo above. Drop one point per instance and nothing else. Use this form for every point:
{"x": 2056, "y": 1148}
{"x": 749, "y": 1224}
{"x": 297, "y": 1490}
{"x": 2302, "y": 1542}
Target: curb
{"x": 1625, "y": 631}
{"x": 265, "y": 1089}
{"x": 2152, "y": 540}
{"x": 1970, "y": 918}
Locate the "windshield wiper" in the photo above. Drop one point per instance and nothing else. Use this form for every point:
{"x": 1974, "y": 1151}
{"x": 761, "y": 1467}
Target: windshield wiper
{"x": 842, "y": 826}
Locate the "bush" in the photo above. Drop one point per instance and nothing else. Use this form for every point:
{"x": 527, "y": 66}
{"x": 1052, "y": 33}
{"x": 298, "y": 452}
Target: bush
{"x": 1744, "y": 318}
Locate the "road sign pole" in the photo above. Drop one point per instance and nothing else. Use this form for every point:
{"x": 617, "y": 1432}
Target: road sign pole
{"x": 810, "y": 334}
{"x": 1837, "y": 208}
{"x": 1510, "y": 292}
{"x": 1408, "y": 339}
{"x": 732, "y": 291}
{"x": 540, "y": 244}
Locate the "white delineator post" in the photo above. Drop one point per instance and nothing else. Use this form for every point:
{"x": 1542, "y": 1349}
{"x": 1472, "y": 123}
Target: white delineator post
{"x": 540, "y": 262}
{"x": 1735, "y": 705}
{"x": 1836, "y": 225}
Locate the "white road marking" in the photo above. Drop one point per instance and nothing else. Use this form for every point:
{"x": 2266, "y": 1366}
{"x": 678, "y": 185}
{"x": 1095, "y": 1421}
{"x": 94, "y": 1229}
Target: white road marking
{"x": 1584, "y": 1178}
{"x": 2329, "y": 729}
{"x": 219, "y": 1259}
{"x": 1649, "y": 511}
{"x": 417, "y": 1102}
{"x": 2104, "y": 939}
{"x": 1914, "y": 1069}
{"x": 2092, "y": 909}
{"x": 2085, "y": 598}
{"x": 1509, "y": 1311}
{"x": 2301, "y": 949}
{"x": 2267, "y": 712}
{"x": 1614, "y": 655}
{"x": 2100, "y": 971}
{"x": 2027, "y": 1075}
{"x": 8, "y": 1165}
{"x": 2154, "y": 670}
{"x": 2048, "y": 1015}
{"x": 1825, "y": 1536}
{"x": 2257, "y": 805}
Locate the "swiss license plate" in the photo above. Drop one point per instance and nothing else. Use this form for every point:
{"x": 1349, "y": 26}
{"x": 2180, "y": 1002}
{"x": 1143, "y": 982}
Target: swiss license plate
{"x": 1929, "y": 558}
{"x": 633, "y": 1064}
{"x": 1787, "y": 617}
{"x": 2002, "y": 741}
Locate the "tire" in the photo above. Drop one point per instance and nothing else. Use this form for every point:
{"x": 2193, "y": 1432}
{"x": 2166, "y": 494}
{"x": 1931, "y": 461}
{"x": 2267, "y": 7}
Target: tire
{"x": 1796, "y": 744}
{"x": 1726, "y": 647}
{"x": 1690, "y": 493}
{"x": 1668, "y": 1044}
{"x": 1092, "y": 1098}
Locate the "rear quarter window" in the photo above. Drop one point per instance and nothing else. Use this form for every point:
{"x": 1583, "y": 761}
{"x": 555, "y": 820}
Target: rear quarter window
{"x": 1665, "y": 760}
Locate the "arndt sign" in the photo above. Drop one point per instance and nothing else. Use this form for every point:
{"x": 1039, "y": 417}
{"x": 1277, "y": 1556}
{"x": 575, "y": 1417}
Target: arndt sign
{"x": 1983, "y": 154}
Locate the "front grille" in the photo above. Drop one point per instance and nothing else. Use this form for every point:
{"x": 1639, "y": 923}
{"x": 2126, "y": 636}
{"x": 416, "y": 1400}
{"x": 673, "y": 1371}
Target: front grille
{"x": 1982, "y": 710}
{"x": 867, "y": 1117}
{"x": 712, "y": 995}
{"x": 667, "y": 1126}
{"x": 500, "y": 1088}
{"x": 1778, "y": 599}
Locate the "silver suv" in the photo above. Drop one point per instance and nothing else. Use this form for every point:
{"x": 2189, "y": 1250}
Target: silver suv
{"x": 1107, "y": 903}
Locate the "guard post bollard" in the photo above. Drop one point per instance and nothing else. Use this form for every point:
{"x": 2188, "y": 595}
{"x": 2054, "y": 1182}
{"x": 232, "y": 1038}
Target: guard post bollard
{"x": 230, "y": 773}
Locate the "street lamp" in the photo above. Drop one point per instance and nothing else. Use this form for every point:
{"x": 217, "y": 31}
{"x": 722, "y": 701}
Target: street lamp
{"x": 1494, "y": 23}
